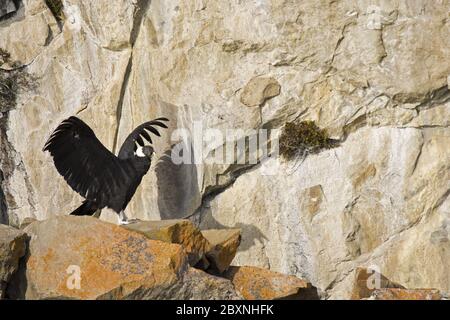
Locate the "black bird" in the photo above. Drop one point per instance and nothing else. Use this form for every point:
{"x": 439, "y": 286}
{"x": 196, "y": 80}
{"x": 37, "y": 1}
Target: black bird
{"x": 91, "y": 170}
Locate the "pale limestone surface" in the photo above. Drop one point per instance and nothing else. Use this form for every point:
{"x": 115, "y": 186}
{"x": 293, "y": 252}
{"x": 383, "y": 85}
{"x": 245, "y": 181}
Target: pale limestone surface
{"x": 374, "y": 74}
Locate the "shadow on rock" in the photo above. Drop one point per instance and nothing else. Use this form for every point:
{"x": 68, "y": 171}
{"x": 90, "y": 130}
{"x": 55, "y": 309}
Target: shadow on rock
{"x": 250, "y": 234}
{"x": 178, "y": 192}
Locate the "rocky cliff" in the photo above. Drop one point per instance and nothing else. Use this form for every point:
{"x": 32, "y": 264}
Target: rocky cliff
{"x": 374, "y": 74}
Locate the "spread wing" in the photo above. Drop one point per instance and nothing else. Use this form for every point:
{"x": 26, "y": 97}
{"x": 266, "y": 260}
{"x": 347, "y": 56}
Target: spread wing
{"x": 141, "y": 132}
{"x": 88, "y": 167}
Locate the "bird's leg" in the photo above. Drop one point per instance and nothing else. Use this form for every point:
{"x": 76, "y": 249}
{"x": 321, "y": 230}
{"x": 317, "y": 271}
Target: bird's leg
{"x": 123, "y": 218}
{"x": 97, "y": 213}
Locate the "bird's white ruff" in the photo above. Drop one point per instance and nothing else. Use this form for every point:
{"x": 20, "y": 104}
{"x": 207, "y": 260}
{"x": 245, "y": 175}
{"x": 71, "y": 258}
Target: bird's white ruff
{"x": 139, "y": 152}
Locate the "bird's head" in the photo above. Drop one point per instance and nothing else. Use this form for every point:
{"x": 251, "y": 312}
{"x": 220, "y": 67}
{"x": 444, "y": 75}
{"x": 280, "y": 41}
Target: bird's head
{"x": 145, "y": 151}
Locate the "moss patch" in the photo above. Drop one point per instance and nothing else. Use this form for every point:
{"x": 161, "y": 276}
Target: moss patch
{"x": 13, "y": 80}
{"x": 4, "y": 56}
{"x": 302, "y": 138}
{"x": 56, "y": 7}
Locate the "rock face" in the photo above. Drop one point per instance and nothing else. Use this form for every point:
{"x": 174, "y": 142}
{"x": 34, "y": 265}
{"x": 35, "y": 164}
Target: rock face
{"x": 367, "y": 73}
{"x": 12, "y": 248}
{"x": 260, "y": 284}
{"x": 84, "y": 258}
{"x": 355, "y": 205}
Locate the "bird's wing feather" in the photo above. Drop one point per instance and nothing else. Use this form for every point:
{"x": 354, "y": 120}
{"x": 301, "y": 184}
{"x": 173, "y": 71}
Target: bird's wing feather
{"x": 88, "y": 167}
{"x": 141, "y": 132}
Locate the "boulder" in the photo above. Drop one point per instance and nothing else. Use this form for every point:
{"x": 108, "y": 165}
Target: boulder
{"x": 224, "y": 245}
{"x": 367, "y": 281}
{"x": 12, "y": 248}
{"x": 84, "y": 258}
{"x": 181, "y": 232}
{"x": 261, "y": 284}
{"x": 369, "y": 284}
{"x": 406, "y": 294}
{"x": 258, "y": 90}
{"x": 198, "y": 284}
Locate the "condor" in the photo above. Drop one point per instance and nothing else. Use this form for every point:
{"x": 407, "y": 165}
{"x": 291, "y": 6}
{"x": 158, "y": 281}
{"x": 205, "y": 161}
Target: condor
{"x": 91, "y": 170}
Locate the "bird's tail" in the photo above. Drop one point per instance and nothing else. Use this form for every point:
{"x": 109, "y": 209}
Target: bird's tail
{"x": 87, "y": 208}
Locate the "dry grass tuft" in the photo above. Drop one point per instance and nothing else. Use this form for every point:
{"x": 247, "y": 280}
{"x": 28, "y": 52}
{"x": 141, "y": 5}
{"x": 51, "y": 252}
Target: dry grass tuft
{"x": 303, "y": 138}
{"x": 13, "y": 80}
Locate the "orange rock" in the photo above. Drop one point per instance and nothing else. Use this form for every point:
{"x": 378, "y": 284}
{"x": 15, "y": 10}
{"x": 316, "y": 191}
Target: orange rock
{"x": 200, "y": 284}
{"x": 261, "y": 284}
{"x": 367, "y": 281}
{"x": 178, "y": 231}
{"x": 84, "y": 258}
{"x": 406, "y": 294}
{"x": 224, "y": 245}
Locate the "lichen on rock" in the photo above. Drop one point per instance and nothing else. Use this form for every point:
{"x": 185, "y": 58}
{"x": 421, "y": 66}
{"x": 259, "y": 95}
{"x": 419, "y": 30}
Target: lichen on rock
{"x": 85, "y": 258}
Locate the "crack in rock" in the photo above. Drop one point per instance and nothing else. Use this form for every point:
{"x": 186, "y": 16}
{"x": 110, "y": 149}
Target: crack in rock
{"x": 141, "y": 9}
